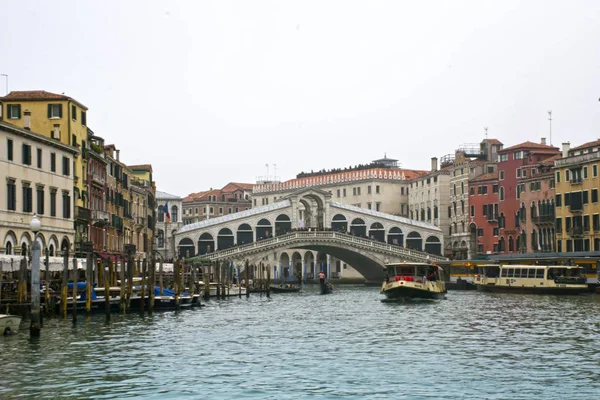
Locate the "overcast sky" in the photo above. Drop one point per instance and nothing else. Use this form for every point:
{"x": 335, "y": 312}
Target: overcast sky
{"x": 209, "y": 92}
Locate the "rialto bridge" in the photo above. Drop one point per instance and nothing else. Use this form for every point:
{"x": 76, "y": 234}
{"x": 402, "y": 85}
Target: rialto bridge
{"x": 306, "y": 232}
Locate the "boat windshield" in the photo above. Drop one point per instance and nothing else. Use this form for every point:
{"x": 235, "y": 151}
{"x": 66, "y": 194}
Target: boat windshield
{"x": 564, "y": 272}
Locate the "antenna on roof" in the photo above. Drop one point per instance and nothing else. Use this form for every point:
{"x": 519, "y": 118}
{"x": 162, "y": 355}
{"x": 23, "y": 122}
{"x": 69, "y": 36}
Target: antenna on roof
{"x": 486, "y": 132}
{"x": 550, "y": 119}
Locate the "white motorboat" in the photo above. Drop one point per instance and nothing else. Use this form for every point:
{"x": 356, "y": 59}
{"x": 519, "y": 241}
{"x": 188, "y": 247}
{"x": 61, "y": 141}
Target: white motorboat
{"x": 9, "y": 323}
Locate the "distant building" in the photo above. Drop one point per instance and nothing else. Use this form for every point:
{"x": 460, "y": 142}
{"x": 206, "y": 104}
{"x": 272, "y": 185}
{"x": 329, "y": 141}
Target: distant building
{"x": 165, "y": 231}
{"x": 232, "y": 198}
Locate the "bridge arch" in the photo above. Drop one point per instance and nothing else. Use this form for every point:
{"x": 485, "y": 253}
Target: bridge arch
{"x": 244, "y": 234}
{"x": 186, "y": 248}
{"x": 206, "y": 243}
{"x": 395, "y": 236}
{"x": 264, "y": 229}
{"x": 283, "y": 224}
{"x": 358, "y": 227}
{"x": 414, "y": 241}
{"x": 339, "y": 223}
{"x": 224, "y": 239}
{"x": 377, "y": 232}
{"x": 433, "y": 245}
{"x": 284, "y": 263}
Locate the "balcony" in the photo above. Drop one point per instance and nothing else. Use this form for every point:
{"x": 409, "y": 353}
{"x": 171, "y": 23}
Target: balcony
{"x": 576, "y": 232}
{"x": 100, "y": 217}
{"x": 141, "y": 221}
{"x": 576, "y": 181}
{"x": 98, "y": 179}
{"x": 82, "y": 214}
{"x": 543, "y": 219}
{"x": 492, "y": 218}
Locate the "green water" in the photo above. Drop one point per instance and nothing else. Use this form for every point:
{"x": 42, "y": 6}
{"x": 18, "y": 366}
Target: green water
{"x": 344, "y": 345}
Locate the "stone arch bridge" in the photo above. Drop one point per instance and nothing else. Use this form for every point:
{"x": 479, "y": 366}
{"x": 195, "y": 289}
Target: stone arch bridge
{"x": 293, "y": 234}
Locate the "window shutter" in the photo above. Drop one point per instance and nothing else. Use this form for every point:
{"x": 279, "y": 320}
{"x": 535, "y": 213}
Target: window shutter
{"x": 49, "y": 110}
{"x": 18, "y": 111}
{"x": 60, "y": 110}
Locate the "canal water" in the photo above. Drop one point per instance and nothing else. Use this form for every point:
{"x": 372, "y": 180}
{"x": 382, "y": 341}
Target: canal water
{"x": 344, "y": 345}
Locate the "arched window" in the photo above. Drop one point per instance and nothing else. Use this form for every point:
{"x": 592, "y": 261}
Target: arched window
{"x": 161, "y": 215}
{"x": 174, "y": 212}
{"x": 160, "y": 239}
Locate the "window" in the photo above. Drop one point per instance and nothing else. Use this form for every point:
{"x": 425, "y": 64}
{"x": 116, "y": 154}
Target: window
{"x": 338, "y": 193}
{"x": 585, "y": 197}
{"x": 66, "y": 166}
{"x": 83, "y": 118}
{"x": 518, "y": 155}
{"x": 53, "y": 202}
{"x": 596, "y": 222}
{"x": 229, "y": 210}
{"x": 472, "y": 191}
{"x": 13, "y": 111}
{"x": 27, "y": 198}
{"x": 369, "y": 206}
{"x": 585, "y": 172}
{"x": 518, "y": 172}
{"x": 503, "y": 157}
{"x": 9, "y": 149}
{"x": 377, "y": 189}
{"x": 594, "y": 171}
{"x": 220, "y": 210}
{"x": 54, "y": 111}
{"x": 212, "y": 210}
{"x": 558, "y": 200}
{"x": 74, "y": 112}
{"x": 502, "y": 193}
{"x": 501, "y": 175}
{"x": 26, "y": 153}
{"x": 472, "y": 211}
{"x": 53, "y": 162}
{"x": 66, "y": 205}
{"x": 40, "y": 200}
{"x": 594, "y": 195}
{"x": 369, "y": 190}
{"x": 39, "y": 158}
{"x": 495, "y": 188}
{"x": 354, "y": 191}
{"x": 344, "y": 192}
{"x": 11, "y": 195}
{"x": 377, "y": 206}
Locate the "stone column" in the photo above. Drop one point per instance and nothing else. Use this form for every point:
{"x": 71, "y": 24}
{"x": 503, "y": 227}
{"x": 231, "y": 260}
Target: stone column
{"x": 328, "y": 266}
{"x": 291, "y": 271}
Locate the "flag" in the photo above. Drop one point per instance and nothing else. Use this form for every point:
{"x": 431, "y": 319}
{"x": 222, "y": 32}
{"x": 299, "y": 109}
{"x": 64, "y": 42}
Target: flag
{"x": 165, "y": 210}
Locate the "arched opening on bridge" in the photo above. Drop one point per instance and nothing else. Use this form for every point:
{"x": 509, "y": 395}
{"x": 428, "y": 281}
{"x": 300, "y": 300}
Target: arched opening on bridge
{"x": 414, "y": 241}
{"x": 264, "y": 229}
{"x": 376, "y": 232}
{"x": 206, "y": 243}
{"x": 314, "y": 211}
{"x": 321, "y": 262}
{"x": 358, "y": 228}
{"x": 284, "y": 264}
{"x": 186, "y": 248}
{"x": 224, "y": 239}
{"x": 395, "y": 236}
{"x": 339, "y": 223}
{"x": 283, "y": 225}
{"x": 433, "y": 245}
{"x": 309, "y": 261}
{"x": 244, "y": 234}
{"x": 296, "y": 266}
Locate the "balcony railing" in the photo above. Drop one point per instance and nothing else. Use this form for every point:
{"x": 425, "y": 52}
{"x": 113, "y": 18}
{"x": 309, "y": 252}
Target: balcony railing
{"x": 543, "y": 219}
{"x": 140, "y": 221}
{"x": 100, "y": 217}
{"x": 576, "y": 181}
{"x": 82, "y": 214}
{"x": 100, "y": 180}
{"x": 576, "y": 232}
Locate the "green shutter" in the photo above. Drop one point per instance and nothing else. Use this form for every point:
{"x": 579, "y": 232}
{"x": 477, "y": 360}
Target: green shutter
{"x": 49, "y": 110}
{"x": 60, "y": 110}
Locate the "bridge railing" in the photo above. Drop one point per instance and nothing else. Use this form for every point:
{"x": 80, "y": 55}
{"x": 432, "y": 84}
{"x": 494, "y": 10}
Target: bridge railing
{"x": 342, "y": 237}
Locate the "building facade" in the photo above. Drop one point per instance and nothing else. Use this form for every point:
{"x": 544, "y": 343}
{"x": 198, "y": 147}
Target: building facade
{"x": 165, "y": 230}
{"x": 576, "y": 199}
{"x": 485, "y": 221}
{"x": 37, "y": 178}
{"x": 232, "y": 198}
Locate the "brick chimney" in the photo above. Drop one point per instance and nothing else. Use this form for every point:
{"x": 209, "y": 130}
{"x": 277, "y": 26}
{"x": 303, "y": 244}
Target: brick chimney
{"x": 565, "y": 149}
{"x": 27, "y": 119}
{"x": 544, "y": 140}
{"x": 118, "y": 154}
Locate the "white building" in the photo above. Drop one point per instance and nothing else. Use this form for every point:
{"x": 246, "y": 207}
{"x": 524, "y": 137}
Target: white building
{"x": 165, "y": 231}
{"x": 37, "y": 178}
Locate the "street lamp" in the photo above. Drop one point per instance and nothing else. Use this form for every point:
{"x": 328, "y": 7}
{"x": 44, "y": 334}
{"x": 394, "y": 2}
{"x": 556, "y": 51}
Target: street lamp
{"x": 35, "y": 226}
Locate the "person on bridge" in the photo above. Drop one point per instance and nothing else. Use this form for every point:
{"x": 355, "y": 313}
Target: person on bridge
{"x": 322, "y": 277}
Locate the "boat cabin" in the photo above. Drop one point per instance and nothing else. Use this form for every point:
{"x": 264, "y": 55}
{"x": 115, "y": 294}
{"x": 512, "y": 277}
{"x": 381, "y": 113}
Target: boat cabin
{"x": 416, "y": 272}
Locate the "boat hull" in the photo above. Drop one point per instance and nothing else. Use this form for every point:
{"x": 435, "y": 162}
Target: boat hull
{"x": 279, "y": 289}
{"x": 326, "y": 288}
{"x": 9, "y": 323}
{"x": 407, "y": 292}
{"x": 533, "y": 290}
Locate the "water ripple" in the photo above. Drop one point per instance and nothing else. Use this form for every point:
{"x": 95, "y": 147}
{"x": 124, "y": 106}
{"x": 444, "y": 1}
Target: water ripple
{"x": 294, "y": 346}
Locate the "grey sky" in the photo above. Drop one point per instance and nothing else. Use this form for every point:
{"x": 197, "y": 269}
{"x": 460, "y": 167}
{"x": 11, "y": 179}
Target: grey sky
{"x": 221, "y": 88}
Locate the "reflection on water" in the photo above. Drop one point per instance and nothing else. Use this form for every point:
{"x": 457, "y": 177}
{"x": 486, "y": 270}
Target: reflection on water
{"x": 348, "y": 344}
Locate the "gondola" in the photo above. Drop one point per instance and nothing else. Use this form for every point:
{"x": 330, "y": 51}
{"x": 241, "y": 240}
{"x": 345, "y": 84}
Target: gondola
{"x": 284, "y": 288}
{"x": 326, "y": 288}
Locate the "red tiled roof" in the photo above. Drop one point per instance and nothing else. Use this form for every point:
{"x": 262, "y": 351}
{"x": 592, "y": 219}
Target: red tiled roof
{"x": 37, "y": 95}
{"x": 233, "y": 186}
{"x": 588, "y": 144}
{"x": 486, "y": 177}
{"x": 529, "y": 145}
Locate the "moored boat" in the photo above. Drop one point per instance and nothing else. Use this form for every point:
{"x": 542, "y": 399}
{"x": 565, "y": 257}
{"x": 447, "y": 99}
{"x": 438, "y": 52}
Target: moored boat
{"x": 284, "y": 288}
{"x": 531, "y": 279}
{"x": 413, "y": 281}
{"x": 9, "y": 323}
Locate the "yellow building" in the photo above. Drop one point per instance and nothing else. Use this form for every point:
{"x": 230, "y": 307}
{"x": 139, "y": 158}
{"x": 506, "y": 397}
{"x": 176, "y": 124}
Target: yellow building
{"x": 577, "y": 206}
{"x": 144, "y": 194}
{"x": 61, "y": 118}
